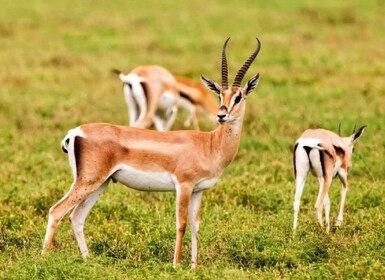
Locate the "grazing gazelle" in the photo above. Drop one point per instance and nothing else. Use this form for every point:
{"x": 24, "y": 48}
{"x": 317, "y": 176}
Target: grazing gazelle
{"x": 196, "y": 98}
{"x": 150, "y": 91}
{"x": 327, "y": 155}
{"x": 187, "y": 162}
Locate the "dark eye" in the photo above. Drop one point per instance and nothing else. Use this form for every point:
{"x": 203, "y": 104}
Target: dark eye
{"x": 353, "y": 150}
{"x": 237, "y": 99}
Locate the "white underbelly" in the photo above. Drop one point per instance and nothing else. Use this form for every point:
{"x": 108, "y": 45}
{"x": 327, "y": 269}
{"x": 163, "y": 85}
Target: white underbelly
{"x": 144, "y": 180}
{"x": 205, "y": 184}
{"x": 167, "y": 100}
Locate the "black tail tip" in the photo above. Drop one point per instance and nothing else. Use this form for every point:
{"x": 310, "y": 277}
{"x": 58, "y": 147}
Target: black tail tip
{"x": 115, "y": 71}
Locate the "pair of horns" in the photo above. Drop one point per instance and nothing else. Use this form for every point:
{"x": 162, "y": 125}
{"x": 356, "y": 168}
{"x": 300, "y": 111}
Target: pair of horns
{"x": 241, "y": 73}
{"x": 354, "y": 129}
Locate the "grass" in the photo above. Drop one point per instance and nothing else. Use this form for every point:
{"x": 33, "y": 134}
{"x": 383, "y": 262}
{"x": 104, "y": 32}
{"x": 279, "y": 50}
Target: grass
{"x": 321, "y": 64}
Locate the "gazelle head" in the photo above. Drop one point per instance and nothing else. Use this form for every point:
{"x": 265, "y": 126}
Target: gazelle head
{"x": 232, "y": 98}
{"x": 349, "y": 143}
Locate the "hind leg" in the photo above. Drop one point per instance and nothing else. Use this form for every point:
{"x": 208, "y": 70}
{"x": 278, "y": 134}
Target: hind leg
{"x": 322, "y": 194}
{"x": 327, "y": 212}
{"x": 76, "y": 194}
{"x": 79, "y": 215}
{"x": 301, "y": 167}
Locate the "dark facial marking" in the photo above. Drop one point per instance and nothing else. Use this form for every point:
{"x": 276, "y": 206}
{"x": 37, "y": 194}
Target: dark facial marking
{"x": 237, "y": 99}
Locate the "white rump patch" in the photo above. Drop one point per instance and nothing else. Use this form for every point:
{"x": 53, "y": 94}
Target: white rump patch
{"x": 68, "y": 144}
{"x": 309, "y": 142}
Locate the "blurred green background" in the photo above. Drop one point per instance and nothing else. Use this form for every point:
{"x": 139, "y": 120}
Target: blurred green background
{"x": 322, "y": 63}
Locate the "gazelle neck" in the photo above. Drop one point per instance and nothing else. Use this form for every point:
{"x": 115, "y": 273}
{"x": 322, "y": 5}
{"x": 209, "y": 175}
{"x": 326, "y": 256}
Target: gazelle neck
{"x": 226, "y": 138}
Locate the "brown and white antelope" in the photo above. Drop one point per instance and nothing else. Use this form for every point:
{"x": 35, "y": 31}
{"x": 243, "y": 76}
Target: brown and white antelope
{"x": 151, "y": 95}
{"x": 187, "y": 162}
{"x": 326, "y": 155}
{"x": 196, "y": 99}
{"x": 147, "y": 101}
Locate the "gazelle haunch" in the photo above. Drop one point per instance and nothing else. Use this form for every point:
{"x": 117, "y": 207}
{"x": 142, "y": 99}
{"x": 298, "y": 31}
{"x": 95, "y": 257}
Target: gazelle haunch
{"x": 187, "y": 162}
{"x": 196, "y": 98}
{"x": 150, "y": 91}
{"x": 326, "y": 155}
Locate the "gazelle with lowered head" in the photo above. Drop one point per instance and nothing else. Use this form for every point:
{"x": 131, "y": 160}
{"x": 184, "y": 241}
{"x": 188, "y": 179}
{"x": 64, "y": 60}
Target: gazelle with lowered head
{"x": 326, "y": 155}
{"x": 151, "y": 95}
{"x": 196, "y": 99}
{"x": 187, "y": 162}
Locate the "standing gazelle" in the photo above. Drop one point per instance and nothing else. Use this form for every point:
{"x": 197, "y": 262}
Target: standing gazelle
{"x": 327, "y": 155}
{"x": 187, "y": 162}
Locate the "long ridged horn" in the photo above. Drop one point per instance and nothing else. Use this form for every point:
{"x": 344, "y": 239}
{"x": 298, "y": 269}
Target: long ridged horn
{"x": 354, "y": 128}
{"x": 339, "y": 129}
{"x": 225, "y": 69}
{"x": 241, "y": 73}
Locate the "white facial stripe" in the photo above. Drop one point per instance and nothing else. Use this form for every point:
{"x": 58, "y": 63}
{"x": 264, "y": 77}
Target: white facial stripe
{"x": 232, "y": 102}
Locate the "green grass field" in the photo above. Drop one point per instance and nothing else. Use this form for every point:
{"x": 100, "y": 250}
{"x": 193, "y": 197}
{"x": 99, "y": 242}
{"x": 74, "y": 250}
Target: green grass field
{"x": 320, "y": 65}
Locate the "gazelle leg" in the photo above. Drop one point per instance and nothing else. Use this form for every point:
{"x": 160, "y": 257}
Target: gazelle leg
{"x": 76, "y": 194}
{"x": 300, "y": 183}
{"x": 327, "y": 212}
{"x": 323, "y": 191}
{"x": 344, "y": 190}
{"x": 194, "y": 217}
{"x": 301, "y": 169}
{"x": 159, "y": 123}
{"x": 183, "y": 197}
{"x": 79, "y": 215}
{"x": 171, "y": 115}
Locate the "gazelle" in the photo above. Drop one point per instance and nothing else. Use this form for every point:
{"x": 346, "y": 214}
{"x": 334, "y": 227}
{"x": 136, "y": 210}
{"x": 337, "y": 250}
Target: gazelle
{"x": 327, "y": 155}
{"x": 150, "y": 91}
{"x": 141, "y": 94}
{"x": 196, "y": 98}
{"x": 187, "y": 162}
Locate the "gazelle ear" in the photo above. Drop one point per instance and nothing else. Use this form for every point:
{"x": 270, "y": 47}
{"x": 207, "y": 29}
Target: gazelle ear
{"x": 251, "y": 84}
{"x": 211, "y": 85}
{"x": 357, "y": 133}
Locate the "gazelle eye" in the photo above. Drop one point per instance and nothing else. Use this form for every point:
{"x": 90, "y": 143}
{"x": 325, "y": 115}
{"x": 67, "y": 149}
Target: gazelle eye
{"x": 353, "y": 150}
{"x": 237, "y": 99}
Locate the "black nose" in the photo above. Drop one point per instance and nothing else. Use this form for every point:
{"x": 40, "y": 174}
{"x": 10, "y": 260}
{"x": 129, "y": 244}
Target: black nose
{"x": 221, "y": 117}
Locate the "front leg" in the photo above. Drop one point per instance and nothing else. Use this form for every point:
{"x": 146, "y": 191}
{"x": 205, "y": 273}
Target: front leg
{"x": 194, "y": 218}
{"x": 183, "y": 197}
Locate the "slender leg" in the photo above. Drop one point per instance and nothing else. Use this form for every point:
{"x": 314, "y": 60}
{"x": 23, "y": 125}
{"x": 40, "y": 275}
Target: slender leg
{"x": 131, "y": 104}
{"x": 194, "y": 218}
{"x": 327, "y": 212}
{"x": 300, "y": 183}
{"x": 159, "y": 123}
{"x": 324, "y": 189}
{"x": 79, "y": 215}
{"x": 76, "y": 194}
{"x": 183, "y": 197}
{"x": 301, "y": 168}
{"x": 171, "y": 117}
{"x": 344, "y": 190}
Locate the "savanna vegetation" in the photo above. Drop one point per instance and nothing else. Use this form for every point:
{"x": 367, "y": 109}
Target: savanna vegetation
{"x": 322, "y": 63}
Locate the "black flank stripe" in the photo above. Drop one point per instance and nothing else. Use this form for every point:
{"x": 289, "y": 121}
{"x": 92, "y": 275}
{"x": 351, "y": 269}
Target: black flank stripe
{"x": 185, "y": 96}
